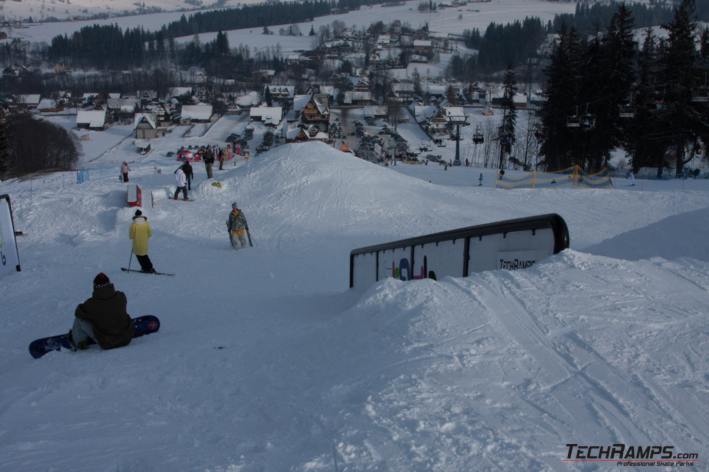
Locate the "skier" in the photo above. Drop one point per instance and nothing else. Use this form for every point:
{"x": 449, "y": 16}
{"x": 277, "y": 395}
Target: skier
{"x": 140, "y": 233}
{"x": 631, "y": 178}
{"x": 124, "y": 171}
{"x": 237, "y": 227}
{"x": 208, "y": 161}
{"x": 187, "y": 169}
{"x": 102, "y": 318}
{"x": 480, "y": 180}
{"x": 220, "y": 158}
{"x": 181, "y": 179}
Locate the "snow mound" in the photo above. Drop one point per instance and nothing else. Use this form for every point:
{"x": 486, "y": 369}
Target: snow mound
{"x": 683, "y": 235}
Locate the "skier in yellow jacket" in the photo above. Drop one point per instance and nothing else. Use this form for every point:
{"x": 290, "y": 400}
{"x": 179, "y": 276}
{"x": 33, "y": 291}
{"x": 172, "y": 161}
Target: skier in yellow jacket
{"x": 140, "y": 232}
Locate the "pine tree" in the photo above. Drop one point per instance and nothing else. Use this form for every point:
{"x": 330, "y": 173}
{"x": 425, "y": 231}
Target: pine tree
{"x": 562, "y": 91}
{"x": 4, "y": 146}
{"x": 678, "y": 76}
{"x": 509, "y": 118}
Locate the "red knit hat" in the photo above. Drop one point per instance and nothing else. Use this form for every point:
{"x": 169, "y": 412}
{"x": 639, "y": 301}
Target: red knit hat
{"x": 101, "y": 279}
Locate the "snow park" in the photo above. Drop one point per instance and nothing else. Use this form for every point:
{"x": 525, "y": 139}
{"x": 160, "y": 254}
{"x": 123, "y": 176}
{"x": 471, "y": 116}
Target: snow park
{"x": 375, "y": 236}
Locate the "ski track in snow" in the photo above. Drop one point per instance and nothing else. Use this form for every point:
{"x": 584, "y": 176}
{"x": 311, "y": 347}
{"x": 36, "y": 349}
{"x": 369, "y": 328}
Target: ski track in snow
{"x": 266, "y": 361}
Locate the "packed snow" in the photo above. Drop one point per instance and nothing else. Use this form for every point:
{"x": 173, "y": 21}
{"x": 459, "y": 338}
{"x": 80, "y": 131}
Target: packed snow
{"x": 267, "y": 361}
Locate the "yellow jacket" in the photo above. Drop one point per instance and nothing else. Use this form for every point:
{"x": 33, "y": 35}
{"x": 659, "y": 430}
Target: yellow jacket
{"x": 140, "y": 232}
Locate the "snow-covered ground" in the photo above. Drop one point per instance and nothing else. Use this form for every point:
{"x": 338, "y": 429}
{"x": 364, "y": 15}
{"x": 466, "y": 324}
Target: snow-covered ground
{"x": 266, "y": 361}
{"x": 474, "y": 15}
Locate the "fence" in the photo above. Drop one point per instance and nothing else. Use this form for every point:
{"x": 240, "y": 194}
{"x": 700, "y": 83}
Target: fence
{"x": 573, "y": 177}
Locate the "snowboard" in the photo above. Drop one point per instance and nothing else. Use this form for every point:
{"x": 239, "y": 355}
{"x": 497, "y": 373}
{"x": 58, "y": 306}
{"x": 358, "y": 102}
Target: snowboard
{"x": 142, "y": 325}
{"x": 125, "y": 269}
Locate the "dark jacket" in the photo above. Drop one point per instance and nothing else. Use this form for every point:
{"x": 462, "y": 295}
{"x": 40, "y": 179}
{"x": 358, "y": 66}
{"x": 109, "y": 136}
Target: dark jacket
{"x": 106, "y": 310}
{"x": 187, "y": 169}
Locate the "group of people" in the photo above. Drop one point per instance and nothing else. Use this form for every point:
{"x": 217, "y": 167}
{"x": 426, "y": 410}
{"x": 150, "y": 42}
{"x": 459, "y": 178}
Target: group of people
{"x": 103, "y": 318}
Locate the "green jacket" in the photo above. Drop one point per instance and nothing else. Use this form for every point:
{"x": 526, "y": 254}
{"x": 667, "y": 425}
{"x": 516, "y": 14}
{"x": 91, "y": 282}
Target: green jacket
{"x": 106, "y": 311}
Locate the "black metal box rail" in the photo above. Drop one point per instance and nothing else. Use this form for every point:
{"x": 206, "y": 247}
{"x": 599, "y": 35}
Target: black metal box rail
{"x": 551, "y": 221}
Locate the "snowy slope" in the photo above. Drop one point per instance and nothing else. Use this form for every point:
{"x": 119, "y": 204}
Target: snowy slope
{"x": 266, "y": 361}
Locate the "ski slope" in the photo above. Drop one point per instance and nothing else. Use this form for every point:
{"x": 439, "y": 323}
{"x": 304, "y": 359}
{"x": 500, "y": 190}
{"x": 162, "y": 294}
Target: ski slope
{"x": 266, "y": 361}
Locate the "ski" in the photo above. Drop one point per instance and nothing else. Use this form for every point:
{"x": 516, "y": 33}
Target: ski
{"x": 125, "y": 269}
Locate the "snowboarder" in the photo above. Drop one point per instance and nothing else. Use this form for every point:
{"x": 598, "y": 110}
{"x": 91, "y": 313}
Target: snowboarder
{"x": 237, "y": 227}
{"x": 140, "y": 233}
{"x": 181, "y": 179}
{"x": 102, "y": 318}
{"x": 124, "y": 171}
{"x": 189, "y": 173}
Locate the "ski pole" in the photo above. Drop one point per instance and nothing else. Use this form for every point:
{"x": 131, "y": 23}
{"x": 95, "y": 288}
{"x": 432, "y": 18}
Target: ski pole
{"x": 131, "y": 258}
{"x": 248, "y": 235}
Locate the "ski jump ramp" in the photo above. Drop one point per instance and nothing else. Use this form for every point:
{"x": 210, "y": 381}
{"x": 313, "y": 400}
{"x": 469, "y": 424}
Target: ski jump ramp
{"x": 511, "y": 244}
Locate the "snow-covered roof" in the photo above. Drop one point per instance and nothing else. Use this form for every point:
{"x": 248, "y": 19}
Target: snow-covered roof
{"x": 455, "y": 113}
{"x": 422, "y": 43}
{"x": 281, "y": 90}
{"x": 424, "y": 112}
{"x": 270, "y": 115}
{"x": 150, "y": 118}
{"x": 92, "y": 118}
{"x": 250, "y": 99}
{"x": 201, "y": 112}
{"x": 179, "y": 91}
{"x": 29, "y": 99}
{"x": 127, "y": 105}
{"x": 47, "y": 104}
{"x": 299, "y": 102}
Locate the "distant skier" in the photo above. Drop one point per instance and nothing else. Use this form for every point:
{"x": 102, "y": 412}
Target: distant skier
{"x": 631, "y": 178}
{"x": 140, "y": 233}
{"x": 181, "y": 179}
{"x": 208, "y": 161}
{"x": 237, "y": 227}
{"x": 189, "y": 173}
{"x": 124, "y": 171}
{"x": 220, "y": 158}
{"x": 102, "y": 318}
{"x": 480, "y": 180}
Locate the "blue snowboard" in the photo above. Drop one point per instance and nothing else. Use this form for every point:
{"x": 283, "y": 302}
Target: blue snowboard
{"x": 141, "y": 326}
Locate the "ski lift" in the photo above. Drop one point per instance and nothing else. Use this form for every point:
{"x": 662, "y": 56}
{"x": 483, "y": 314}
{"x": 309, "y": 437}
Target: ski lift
{"x": 573, "y": 121}
{"x": 478, "y": 137}
{"x": 626, "y": 111}
{"x": 588, "y": 121}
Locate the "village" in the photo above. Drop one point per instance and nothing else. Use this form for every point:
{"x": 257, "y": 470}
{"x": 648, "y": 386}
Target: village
{"x": 383, "y": 94}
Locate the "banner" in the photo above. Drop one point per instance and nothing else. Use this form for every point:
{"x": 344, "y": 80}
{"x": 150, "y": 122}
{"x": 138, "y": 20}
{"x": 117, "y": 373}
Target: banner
{"x": 9, "y": 256}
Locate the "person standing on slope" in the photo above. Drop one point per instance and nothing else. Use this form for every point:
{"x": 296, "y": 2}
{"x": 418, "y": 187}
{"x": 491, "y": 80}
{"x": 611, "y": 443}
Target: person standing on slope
{"x": 102, "y": 318}
{"x": 181, "y": 179}
{"x": 187, "y": 169}
{"x": 208, "y": 161}
{"x": 140, "y": 233}
{"x": 237, "y": 227}
{"x": 124, "y": 171}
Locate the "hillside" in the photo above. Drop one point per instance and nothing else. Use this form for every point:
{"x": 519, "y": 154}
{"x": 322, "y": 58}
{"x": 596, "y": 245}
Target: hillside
{"x": 266, "y": 361}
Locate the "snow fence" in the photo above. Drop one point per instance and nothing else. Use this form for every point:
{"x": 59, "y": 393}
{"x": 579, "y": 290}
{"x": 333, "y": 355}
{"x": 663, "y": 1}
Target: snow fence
{"x": 511, "y": 244}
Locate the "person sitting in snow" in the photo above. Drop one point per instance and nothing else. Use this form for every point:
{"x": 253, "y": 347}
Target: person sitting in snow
{"x": 140, "y": 233}
{"x": 237, "y": 227}
{"x": 102, "y": 318}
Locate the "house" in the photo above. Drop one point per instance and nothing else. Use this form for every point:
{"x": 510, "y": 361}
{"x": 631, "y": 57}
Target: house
{"x": 122, "y": 108}
{"x": 175, "y": 92}
{"x": 200, "y": 113}
{"x": 316, "y": 110}
{"x": 375, "y": 111}
{"x": 268, "y": 115}
{"x": 29, "y": 101}
{"x": 423, "y": 47}
{"x": 47, "y": 105}
{"x": 403, "y": 89}
{"x": 439, "y": 122}
{"x": 248, "y": 100}
{"x": 146, "y": 126}
{"x": 280, "y": 93}
{"x": 455, "y": 115}
{"x": 91, "y": 119}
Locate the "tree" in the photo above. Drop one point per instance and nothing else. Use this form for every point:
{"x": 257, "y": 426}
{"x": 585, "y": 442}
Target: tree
{"x": 268, "y": 97}
{"x": 4, "y": 152}
{"x": 509, "y": 118}
{"x": 678, "y": 76}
